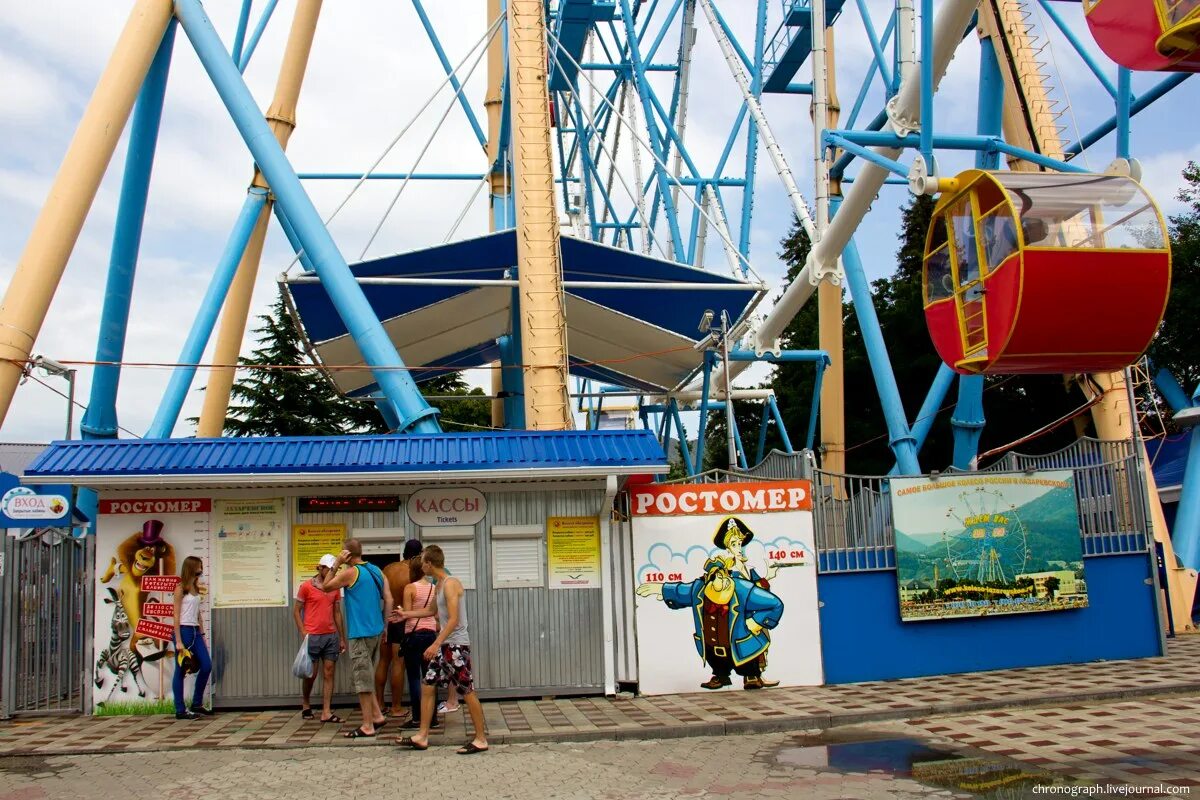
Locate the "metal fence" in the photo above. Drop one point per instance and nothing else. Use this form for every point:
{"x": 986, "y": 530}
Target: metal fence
{"x": 854, "y": 523}
{"x": 45, "y": 616}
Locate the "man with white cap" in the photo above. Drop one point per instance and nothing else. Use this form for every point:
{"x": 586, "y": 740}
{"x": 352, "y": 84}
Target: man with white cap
{"x": 318, "y": 616}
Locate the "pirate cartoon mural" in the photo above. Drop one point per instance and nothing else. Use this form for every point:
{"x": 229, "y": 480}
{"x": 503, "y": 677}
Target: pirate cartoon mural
{"x": 732, "y": 618}
{"x": 734, "y": 556}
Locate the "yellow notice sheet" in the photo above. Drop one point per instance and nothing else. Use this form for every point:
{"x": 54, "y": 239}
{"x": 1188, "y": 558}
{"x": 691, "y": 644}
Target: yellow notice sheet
{"x": 573, "y": 552}
{"x": 309, "y": 543}
{"x": 248, "y": 562}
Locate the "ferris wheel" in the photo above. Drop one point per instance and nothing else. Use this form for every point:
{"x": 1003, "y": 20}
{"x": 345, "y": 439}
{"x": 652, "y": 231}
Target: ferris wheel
{"x": 990, "y": 543}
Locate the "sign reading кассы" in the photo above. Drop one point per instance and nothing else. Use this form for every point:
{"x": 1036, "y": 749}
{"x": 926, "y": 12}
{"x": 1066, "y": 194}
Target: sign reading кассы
{"x": 446, "y": 506}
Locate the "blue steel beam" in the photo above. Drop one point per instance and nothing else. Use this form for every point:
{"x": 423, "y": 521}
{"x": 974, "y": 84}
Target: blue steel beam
{"x": 900, "y": 438}
{"x": 876, "y": 47}
{"x": 454, "y": 82}
{"x": 1124, "y": 101}
{"x": 760, "y": 32}
{"x": 952, "y": 142}
{"x": 1137, "y": 105}
{"x": 206, "y": 317}
{"x": 255, "y": 37}
{"x": 1171, "y": 391}
{"x": 347, "y": 296}
{"x": 390, "y": 176}
{"x": 684, "y": 451}
{"x": 239, "y": 36}
{"x": 1186, "y": 532}
{"x": 290, "y": 233}
{"x": 702, "y": 425}
{"x": 571, "y": 26}
{"x": 928, "y": 412}
{"x": 968, "y": 419}
{"x": 776, "y": 415}
{"x": 1077, "y": 45}
{"x": 790, "y": 49}
{"x": 646, "y": 94}
{"x": 100, "y": 418}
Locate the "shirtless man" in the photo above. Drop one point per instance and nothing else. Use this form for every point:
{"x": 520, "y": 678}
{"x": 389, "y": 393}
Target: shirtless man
{"x": 391, "y": 661}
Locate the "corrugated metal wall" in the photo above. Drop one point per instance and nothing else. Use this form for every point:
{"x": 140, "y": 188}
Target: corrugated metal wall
{"x": 524, "y": 641}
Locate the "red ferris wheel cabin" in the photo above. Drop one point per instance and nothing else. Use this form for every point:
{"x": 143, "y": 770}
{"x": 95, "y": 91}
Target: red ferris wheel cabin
{"x": 1036, "y": 272}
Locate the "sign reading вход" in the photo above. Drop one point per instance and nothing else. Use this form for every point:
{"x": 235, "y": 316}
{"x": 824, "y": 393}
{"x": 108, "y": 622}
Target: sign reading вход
{"x": 446, "y": 506}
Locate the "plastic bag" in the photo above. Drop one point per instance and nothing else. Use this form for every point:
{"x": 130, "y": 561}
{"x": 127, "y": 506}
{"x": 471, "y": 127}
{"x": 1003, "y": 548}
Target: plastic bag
{"x": 302, "y": 667}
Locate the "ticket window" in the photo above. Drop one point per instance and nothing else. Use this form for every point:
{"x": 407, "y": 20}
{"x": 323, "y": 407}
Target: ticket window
{"x": 381, "y": 546}
{"x": 458, "y": 545}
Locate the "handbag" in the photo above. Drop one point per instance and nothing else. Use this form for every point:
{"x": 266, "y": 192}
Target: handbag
{"x": 302, "y": 666}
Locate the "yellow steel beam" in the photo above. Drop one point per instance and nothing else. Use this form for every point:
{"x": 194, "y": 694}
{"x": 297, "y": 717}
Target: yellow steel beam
{"x": 1029, "y": 118}
{"x": 539, "y": 258}
{"x": 282, "y": 118}
{"x": 493, "y": 102}
{"x": 829, "y": 315}
{"x": 41, "y": 265}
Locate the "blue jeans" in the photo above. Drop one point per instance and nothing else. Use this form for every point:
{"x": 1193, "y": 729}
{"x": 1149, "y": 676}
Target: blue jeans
{"x": 192, "y": 640}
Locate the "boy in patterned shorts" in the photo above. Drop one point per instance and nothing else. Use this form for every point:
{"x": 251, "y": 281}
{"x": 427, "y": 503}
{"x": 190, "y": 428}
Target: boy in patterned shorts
{"x": 448, "y": 659}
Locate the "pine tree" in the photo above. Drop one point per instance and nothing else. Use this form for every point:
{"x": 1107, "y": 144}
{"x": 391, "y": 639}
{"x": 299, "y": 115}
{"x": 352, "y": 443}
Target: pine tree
{"x": 289, "y": 401}
{"x": 302, "y": 402}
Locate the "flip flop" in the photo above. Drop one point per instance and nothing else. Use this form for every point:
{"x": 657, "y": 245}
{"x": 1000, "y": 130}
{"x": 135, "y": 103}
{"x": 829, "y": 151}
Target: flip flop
{"x": 407, "y": 741}
{"x": 359, "y": 733}
{"x": 306, "y": 713}
{"x": 470, "y": 749}
{"x": 379, "y": 725}
{"x": 333, "y": 718}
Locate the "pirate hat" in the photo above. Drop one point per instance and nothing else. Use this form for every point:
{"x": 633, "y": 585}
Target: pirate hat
{"x": 727, "y": 526}
{"x": 151, "y": 533}
{"x": 717, "y": 564}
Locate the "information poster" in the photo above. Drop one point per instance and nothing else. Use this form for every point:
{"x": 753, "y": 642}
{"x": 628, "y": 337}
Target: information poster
{"x": 248, "y": 561}
{"x": 726, "y": 585}
{"x": 573, "y": 552}
{"x": 309, "y": 543}
{"x": 141, "y": 544}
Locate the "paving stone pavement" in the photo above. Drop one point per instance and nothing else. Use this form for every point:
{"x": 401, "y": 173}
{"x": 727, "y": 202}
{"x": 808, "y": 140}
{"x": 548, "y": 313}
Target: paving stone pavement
{"x": 993, "y": 754}
{"x": 596, "y": 718}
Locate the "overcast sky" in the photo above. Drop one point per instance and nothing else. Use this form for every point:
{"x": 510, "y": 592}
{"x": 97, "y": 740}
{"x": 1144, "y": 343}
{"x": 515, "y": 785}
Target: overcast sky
{"x": 371, "y": 67}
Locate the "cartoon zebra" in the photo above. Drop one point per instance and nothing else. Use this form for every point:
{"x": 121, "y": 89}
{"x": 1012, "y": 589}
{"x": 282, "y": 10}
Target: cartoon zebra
{"x": 117, "y": 657}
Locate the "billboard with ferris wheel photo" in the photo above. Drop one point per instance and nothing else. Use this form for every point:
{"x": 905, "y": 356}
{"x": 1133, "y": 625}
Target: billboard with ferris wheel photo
{"x": 986, "y": 544}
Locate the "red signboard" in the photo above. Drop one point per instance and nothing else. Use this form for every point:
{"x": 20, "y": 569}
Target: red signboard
{"x": 159, "y": 583}
{"x": 169, "y": 505}
{"x": 726, "y": 498}
{"x": 158, "y": 610}
{"x": 156, "y": 630}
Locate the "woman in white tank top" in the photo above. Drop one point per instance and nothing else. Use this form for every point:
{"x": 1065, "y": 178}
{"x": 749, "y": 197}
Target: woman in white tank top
{"x": 191, "y": 651}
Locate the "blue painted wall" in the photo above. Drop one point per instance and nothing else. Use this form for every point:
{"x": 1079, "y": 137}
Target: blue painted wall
{"x": 863, "y": 638}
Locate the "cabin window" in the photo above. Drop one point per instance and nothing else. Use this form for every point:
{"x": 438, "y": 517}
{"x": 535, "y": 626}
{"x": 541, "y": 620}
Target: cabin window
{"x": 458, "y": 545}
{"x": 1084, "y": 212}
{"x": 939, "y": 282}
{"x": 999, "y": 236}
{"x": 966, "y": 249}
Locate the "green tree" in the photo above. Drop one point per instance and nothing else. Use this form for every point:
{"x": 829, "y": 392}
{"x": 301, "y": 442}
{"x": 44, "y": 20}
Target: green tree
{"x": 282, "y": 399}
{"x": 1176, "y": 346}
{"x": 288, "y": 397}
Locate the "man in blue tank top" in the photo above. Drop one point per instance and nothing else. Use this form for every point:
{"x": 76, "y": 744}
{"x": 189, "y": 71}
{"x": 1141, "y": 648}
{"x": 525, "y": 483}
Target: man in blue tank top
{"x": 367, "y": 603}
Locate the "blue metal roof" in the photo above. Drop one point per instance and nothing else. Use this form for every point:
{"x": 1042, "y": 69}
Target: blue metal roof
{"x": 624, "y": 452}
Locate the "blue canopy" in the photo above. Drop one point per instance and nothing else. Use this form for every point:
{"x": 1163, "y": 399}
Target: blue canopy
{"x": 628, "y": 335}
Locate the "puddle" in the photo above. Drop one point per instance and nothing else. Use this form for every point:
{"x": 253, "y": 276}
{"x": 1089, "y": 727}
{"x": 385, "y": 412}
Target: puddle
{"x": 30, "y": 766}
{"x": 856, "y": 751}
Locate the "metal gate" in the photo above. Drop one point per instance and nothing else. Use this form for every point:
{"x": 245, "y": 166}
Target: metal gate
{"x": 45, "y": 621}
